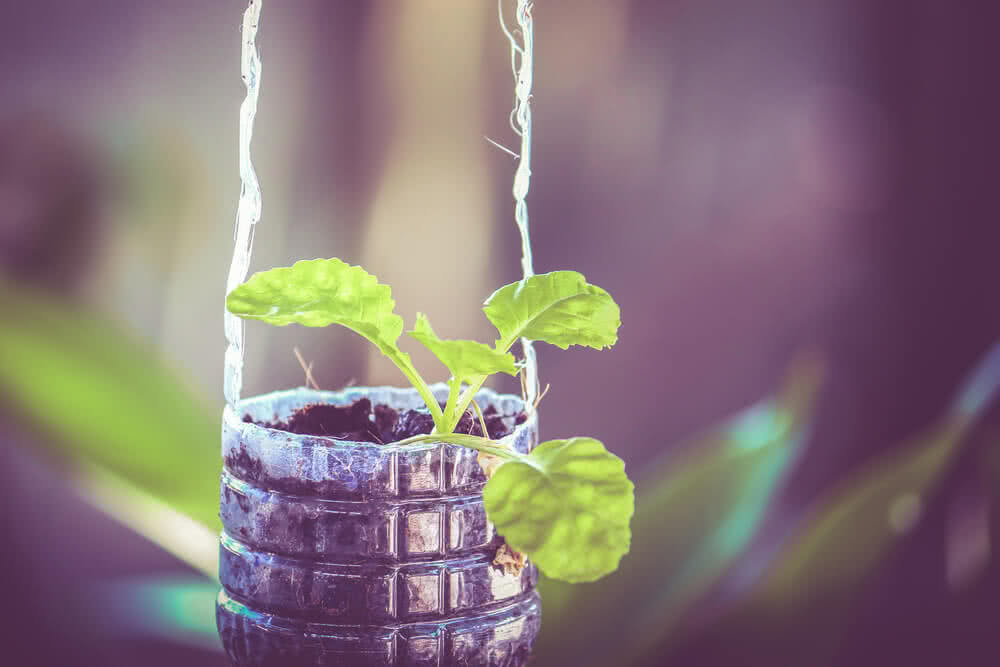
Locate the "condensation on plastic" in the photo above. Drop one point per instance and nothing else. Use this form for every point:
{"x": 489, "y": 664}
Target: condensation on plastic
{"x": 339, "y": 552}
{"x": 494, "y": 638}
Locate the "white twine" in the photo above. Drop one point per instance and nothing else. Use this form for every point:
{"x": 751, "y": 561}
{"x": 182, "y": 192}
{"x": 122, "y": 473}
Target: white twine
{"x": 521, "y": 58}
{"x": 249, "y": 209}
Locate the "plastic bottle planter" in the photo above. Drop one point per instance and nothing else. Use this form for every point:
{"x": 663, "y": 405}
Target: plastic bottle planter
{"x": 352, "y": 553}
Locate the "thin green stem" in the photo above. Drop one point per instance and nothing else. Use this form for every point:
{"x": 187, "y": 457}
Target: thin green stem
{"x": 454, "y": 387}
{"x": 402, "y": 361}
{"x": 475, "y": 384}
{"x": 482, "y": 420}
{"x": 484, "y": 445}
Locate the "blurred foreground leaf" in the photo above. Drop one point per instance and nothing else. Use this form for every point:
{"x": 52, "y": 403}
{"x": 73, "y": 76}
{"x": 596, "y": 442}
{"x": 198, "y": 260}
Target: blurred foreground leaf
{"x": 176, "y": 533}
{"x": 694, "y": 516}
{"x": 810, "y": 584}
{"x": 852, "y": 528}
{"x": 175, "y": 609}
{"x": 108, "y": 401}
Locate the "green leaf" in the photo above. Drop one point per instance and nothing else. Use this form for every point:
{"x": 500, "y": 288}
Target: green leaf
{"x": 560, "y": 308}
{"x": 320, "y": 292}
{"x": 567, "y": 506}
{"x": 464, "y": 358}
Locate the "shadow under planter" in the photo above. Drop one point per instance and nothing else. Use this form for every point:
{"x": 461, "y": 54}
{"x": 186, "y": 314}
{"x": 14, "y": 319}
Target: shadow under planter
{"x": 352, "y": 553}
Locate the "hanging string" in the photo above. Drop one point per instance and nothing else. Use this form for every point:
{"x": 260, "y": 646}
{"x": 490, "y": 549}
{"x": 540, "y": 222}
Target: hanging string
{"x": 249, "y": 209}
{"x": 521, "y": 56}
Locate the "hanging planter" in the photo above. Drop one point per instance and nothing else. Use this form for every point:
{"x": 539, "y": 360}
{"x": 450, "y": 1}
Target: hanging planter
{"x": 340, "y": 550}
{"x": 347, "y": 552}
{"x": 380, "y": 526}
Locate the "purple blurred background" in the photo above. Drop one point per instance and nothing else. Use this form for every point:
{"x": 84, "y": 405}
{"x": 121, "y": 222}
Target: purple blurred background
{"x": 746, "y": 178}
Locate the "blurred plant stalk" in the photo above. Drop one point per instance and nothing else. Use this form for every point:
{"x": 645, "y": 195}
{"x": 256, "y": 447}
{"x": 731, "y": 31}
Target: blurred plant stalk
{"x": 179, "y": 535}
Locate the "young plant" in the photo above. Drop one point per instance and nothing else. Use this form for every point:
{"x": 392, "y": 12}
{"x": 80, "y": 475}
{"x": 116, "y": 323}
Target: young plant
{"x": 568, "y": 503}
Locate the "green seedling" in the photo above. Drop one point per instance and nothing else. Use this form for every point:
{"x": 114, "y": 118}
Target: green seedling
{"x": 568, "y": 503}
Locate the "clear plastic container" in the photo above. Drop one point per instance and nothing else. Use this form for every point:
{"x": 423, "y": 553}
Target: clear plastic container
{"x": 353, "y": 553}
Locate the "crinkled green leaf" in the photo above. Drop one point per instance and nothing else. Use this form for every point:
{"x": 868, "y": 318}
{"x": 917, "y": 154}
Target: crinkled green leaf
{"x": 567, "y": 506}
{"x": 320, "y": 292}
{"x": 560, "y": 308}
{"x": 464, "y": 358}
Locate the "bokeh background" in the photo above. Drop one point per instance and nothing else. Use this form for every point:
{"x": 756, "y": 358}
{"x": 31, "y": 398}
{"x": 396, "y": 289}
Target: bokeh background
{"x": 792, "y": 200}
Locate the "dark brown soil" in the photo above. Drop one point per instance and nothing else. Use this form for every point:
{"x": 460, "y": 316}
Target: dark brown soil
{"x": 382, "y": 424}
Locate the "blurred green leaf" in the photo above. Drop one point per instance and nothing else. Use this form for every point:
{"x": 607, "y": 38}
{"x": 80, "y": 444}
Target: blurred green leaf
{"x": 851, "y": 529}
{"x": 175, "y": 609}
{"x": 109, "y": 401}
{"x": 810, "y": 585}
{"x": 694, "y": 515}
{"x": 848, "y": 531}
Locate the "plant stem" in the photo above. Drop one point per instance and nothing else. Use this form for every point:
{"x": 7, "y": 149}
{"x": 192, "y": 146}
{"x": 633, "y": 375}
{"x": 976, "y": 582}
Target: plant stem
{"x": 463, "y": 404}
{"x": 454, "y": 387}
{"x": 402, "y": 361}
{"x": 475, "y": 384}
{"x": 484, "y": 445}
{"x": 482, "y": 420}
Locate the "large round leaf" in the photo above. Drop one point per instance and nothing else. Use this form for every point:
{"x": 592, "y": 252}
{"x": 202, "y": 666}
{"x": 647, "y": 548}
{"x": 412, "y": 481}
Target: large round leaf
{"x": 567, "y": 506}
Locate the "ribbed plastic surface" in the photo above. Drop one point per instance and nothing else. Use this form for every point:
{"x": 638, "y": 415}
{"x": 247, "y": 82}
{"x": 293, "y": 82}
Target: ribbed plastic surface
{"x": 344, "y": 553}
